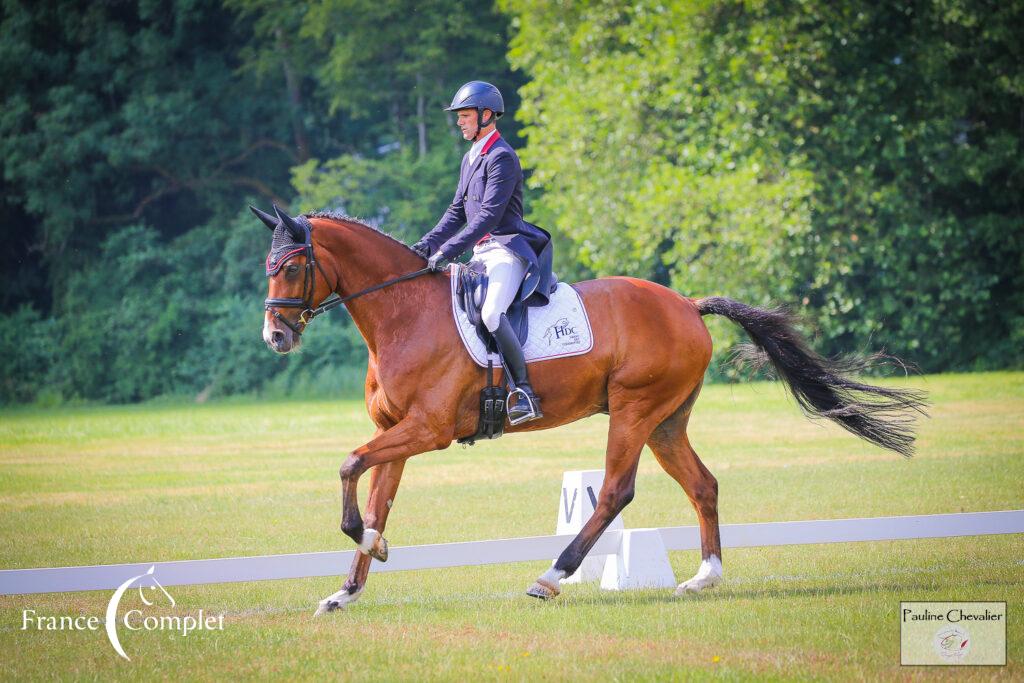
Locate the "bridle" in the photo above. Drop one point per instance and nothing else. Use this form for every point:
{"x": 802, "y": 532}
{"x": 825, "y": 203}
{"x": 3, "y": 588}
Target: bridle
{"x": 309, "y": 310}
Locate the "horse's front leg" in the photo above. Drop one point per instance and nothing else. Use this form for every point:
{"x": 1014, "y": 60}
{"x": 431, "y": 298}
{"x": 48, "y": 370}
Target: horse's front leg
{"x": 411, "y": 436}
{"x": 384, "y": 482}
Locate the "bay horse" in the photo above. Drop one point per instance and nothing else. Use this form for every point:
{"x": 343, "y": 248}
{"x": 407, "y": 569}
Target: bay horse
{"x": 645, "y": 371}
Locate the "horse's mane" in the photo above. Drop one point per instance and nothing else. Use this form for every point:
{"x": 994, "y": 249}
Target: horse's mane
{"x": 334, "y": 215}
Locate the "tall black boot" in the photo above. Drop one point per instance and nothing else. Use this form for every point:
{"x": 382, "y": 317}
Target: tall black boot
{"x": 523, "y": 404}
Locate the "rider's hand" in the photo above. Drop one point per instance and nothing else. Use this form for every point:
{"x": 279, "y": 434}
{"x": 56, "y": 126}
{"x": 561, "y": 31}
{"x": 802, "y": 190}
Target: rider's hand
{"x": 437, "y": 262}
{"x": 421, "y": 248}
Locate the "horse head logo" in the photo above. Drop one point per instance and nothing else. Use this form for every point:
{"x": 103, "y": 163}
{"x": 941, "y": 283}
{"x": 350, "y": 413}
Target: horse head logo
{"x": 146, "y": 581}
{"x": 952, "y": 642}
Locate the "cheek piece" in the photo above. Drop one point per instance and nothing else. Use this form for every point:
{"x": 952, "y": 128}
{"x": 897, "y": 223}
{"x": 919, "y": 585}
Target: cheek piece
{"x": 282, "y": 250}
{"x": 285, "y": 247}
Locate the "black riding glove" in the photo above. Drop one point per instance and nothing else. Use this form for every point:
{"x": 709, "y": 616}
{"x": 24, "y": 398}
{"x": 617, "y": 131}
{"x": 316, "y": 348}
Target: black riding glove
{"x": 421, "y": 248}
{"x": 437, "y": 262}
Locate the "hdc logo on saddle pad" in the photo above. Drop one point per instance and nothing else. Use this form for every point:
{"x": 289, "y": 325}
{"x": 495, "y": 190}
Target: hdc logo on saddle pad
{"x": 561, "y": 333}
{"x": 557, "y": 330}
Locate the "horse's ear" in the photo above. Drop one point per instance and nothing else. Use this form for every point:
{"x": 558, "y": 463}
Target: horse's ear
{"x": 267, "y": 219}
{"x": 298, "y": 234}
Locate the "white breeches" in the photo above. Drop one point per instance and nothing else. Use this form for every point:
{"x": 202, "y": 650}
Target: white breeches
{"x": 505, "y": 271}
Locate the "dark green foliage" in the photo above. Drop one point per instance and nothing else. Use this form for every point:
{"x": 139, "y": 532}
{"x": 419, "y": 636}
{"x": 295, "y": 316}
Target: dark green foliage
{"x": 916, "y": 141}
{"x": 859, "y": 161}
{"x": 149, "y": 318}
{"x": 134, "y": 133}
{"x": 29, "y": 344}
{"x": 125, "y": 112}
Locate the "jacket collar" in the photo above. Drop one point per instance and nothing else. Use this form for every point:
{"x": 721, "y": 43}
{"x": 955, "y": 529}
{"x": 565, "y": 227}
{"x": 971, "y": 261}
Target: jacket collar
{"x": 488, "y": 142}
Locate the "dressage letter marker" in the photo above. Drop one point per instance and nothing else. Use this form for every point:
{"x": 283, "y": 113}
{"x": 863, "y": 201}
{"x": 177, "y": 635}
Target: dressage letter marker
{"x": 642, "y": 562}
{"x": 579, "y": 498}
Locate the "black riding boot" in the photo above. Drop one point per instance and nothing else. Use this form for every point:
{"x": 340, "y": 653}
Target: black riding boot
{"x": 523, "y": 404}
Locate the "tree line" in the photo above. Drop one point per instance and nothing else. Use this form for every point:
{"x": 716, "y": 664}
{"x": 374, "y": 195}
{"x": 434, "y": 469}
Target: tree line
{"x": 860, "y": 162}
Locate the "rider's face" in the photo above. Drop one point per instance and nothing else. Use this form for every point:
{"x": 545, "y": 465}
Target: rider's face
{"x": 467, "y": 122}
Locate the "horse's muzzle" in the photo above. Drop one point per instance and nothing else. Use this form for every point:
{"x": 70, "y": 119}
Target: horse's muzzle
{"x": 279, "y": 338}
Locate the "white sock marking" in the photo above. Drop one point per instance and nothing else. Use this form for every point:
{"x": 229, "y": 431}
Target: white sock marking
{"x": 369, "y": 538}
{"x": 342, "y": 599}
{"x": 708, "y": 575}
{"x": 553, "y": 576}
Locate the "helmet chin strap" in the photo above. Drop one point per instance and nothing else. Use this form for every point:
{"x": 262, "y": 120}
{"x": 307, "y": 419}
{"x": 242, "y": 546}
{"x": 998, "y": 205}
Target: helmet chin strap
{"x": 481, "y": 124}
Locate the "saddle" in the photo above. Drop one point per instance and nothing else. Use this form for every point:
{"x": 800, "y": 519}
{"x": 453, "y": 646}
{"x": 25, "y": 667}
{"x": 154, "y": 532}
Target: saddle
{"x": 471, "y": 289}
{"x": 470, "y": 292}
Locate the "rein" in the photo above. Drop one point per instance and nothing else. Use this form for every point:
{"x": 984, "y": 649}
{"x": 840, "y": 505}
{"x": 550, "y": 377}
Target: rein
{"x": 307, "y": 315}
{"x": 308, "y": 285}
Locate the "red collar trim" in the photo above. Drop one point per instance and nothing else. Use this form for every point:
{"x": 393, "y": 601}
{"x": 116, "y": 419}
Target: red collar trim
{"x": 490, "y": 143}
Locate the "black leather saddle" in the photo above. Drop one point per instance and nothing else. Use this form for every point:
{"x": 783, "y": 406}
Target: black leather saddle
{"x": 470, "y": 291}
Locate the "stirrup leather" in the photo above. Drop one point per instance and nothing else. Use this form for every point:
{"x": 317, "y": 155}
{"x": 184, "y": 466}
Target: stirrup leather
{"x": 533, "y": 414}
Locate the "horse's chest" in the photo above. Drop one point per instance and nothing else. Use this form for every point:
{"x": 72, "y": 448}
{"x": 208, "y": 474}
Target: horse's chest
{"x": 381, "y": 409}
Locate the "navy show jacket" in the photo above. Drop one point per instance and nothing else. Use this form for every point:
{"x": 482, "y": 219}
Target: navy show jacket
{"x": 489, "y": 200}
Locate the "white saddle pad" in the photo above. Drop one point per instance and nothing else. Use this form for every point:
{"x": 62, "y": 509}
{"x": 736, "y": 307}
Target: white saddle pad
{"x": 557, "y": 330}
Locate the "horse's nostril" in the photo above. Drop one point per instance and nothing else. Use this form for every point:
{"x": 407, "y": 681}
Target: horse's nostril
{"x": 276, "y": 336}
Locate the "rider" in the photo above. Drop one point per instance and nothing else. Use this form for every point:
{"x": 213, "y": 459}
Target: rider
{"x": 515, "y": 254}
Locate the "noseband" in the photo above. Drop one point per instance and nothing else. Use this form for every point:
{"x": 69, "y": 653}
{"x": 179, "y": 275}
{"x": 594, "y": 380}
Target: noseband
{"x": 308, "y": 287}
{"x": 309, "y": 309}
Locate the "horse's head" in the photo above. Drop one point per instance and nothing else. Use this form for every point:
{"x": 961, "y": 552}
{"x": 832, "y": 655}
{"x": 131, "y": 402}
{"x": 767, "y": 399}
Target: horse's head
{"x": 296, "y": 283}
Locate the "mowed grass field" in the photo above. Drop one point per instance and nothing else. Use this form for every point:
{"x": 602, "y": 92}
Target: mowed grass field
{"x": 150, "y": 483}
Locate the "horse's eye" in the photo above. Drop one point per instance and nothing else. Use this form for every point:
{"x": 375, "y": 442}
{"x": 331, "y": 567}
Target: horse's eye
{"x": 292, "y": 269}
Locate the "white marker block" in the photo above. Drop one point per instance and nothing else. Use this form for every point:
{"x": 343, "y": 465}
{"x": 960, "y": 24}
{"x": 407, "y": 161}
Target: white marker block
{"x": 580, "y": 490}
{"x": 642, "y": 562}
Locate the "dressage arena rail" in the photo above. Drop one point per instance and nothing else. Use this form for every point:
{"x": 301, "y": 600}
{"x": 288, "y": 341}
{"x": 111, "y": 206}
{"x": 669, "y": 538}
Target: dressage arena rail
{"x": 473, "y": 553}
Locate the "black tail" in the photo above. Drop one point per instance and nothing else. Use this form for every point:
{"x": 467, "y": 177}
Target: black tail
{"x": 822, "y": 386}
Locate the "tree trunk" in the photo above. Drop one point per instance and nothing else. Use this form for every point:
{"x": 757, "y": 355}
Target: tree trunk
{"x": 295, "y": 100}
{"x": 421, "y": 115}
{"x": 396, "y": 122}
{"x": 452, "y": 126}
{"x": 422, "y": 124}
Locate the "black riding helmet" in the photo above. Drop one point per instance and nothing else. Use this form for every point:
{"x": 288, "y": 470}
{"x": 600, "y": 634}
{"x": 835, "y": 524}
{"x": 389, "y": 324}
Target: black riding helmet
{"x": 479, "y": 95}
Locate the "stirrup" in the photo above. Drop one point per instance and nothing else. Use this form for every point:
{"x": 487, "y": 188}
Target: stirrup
{"x": 534, "y": 413}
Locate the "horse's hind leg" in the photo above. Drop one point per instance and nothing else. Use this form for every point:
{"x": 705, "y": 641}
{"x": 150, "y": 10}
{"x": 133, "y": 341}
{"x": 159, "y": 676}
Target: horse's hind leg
{"x": 673, "y": 451}
{"x": 629, "y": 428}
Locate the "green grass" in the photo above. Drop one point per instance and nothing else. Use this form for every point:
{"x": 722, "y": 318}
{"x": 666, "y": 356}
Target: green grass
{"x": 120, "y": 484}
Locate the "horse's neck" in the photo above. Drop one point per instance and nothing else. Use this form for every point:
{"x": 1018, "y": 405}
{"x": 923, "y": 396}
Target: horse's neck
{"x": 361, "y": 258}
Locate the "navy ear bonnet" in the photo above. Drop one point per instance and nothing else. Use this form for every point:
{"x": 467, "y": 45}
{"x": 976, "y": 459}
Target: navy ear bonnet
{"x": 286, "y": 243}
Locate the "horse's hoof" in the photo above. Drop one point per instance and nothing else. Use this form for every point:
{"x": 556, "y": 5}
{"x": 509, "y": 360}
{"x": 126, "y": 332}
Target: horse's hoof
{"x": 379, "y": 551}
{"x": 339, "y": 600}
{"x": 697, "y": 584}
{"x": 374, "y": 545}
{"x": 542, "y": 590}
{"x": 370, "y": 545}
{"x": 326, "y": 605}
{"x": 708, "y": 576}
